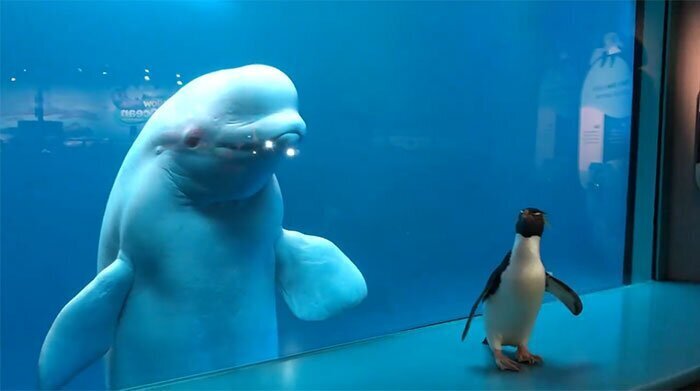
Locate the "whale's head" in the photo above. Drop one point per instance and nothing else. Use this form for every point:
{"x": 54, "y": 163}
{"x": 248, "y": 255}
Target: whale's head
{"x": 223, "y": 134}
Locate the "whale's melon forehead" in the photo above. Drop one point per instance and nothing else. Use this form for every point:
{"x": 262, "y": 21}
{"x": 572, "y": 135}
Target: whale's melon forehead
{"x": 250, "y": 91}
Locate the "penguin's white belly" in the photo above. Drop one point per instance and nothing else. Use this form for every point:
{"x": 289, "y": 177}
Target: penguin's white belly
{"x": 510, "y": 313}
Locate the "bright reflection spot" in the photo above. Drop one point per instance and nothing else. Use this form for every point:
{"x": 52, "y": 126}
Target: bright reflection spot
{"x": 177, "y": 75}
{"x": 13, "y": 79}
{"x": 289, "y": 371}
{"x": 104, "y": 72}
{"x": 255, "y": 152}
{"x": 269, "y": 144}
{"x": 147, "y": 78}
{"x": 179, "y": 82}
{"x": 24, "y": 70}
{"x": 147, "y": 70}
{"x": 80, "y": 69}
{"x": 291, "y": 152}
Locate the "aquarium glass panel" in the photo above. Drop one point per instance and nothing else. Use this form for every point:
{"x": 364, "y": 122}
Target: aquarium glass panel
{"x": 429, "y": 126}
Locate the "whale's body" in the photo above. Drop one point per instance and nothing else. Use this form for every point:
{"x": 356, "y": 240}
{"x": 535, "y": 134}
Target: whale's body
{"x": 192, "y": 248}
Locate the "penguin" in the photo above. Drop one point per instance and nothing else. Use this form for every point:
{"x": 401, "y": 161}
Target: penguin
{"x": 513, "y": 294}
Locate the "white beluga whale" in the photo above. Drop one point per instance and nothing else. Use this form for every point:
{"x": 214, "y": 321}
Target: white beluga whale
{"x": 192, "y": 248}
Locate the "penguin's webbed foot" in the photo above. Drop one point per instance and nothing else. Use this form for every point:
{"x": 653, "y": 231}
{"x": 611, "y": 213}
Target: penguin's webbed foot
{"x": 523, "y": 355}
{"x": 504, "y": 363}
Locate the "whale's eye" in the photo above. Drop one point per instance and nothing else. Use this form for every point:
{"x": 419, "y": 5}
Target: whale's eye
{"x": 192, "y": 140}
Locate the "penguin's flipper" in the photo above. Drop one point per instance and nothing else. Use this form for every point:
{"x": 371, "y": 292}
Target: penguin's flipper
{"x": 315, "y": 278}
{"x": 84, "y": 329}
{"x": 564, "y": 293}
{"x": 471, "y": 315}
{"x": 490, "y": 288}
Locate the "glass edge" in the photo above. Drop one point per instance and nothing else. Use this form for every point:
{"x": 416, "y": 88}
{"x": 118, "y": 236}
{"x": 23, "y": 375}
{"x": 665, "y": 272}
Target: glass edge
{"x": 641, "y": 260}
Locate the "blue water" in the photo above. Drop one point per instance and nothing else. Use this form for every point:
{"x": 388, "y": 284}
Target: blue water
{"x": 421, "y": 149}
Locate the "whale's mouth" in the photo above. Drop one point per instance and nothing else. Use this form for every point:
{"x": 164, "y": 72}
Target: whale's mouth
{"x": 283, "y": 140}
{"x": 238, "y": 146}
{"x": 287, "y": 139}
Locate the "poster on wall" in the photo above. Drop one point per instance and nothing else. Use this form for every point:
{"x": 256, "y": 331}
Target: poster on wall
{"x": 556, "y": 114}
{"x": 606, "y": 96}
{"x": 136, "y": 104}
{"x": 556, "y": 108}
{"x": 74, "y": 117}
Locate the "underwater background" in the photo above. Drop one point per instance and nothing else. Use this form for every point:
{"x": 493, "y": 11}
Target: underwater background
{"x": 430, "y": 125}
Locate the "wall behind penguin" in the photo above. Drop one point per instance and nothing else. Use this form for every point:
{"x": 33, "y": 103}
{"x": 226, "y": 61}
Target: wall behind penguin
{"x": 430, "y": 126}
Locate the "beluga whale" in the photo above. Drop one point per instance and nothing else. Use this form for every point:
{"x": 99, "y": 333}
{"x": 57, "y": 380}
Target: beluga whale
{"x": 192, "y": 249}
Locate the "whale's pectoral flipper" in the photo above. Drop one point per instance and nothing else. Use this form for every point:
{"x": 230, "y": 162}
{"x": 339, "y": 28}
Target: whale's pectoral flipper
{"x": 84, "y": 329}
{"x": 316, "y": 279}
{"x": 564, "y": 293}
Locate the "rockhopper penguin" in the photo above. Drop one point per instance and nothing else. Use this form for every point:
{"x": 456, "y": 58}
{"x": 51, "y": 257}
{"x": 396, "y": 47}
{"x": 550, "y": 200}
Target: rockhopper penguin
{"x": 513, "y": 294}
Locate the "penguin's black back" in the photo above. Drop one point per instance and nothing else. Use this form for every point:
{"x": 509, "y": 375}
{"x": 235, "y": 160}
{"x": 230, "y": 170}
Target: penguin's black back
{"x": 495, "y": 280}
{"x": 491, "y": 287}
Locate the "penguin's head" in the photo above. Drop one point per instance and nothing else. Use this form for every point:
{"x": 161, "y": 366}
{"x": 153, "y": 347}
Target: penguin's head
{"x": 531, "y": 222}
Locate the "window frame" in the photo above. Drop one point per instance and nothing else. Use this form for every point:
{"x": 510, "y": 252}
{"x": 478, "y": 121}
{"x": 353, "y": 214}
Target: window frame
{"x": 641, "y": 258}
